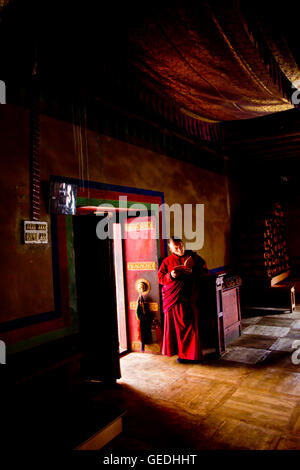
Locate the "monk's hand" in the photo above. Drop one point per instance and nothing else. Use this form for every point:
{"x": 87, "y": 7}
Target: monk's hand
{"x": 174, "y": 274}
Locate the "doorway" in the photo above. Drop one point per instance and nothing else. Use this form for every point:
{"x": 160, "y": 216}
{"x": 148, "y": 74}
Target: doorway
{"x": 134, "y": 259}
{"x": 96, "y": 293}
{"x": 136, "y": 262}
{"x": 120, "y": 288}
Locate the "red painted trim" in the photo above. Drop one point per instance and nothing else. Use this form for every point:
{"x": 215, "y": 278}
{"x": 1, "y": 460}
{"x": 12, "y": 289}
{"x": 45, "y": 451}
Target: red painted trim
{"x": 113, "y": 195}
{"x": 23, "y": 334}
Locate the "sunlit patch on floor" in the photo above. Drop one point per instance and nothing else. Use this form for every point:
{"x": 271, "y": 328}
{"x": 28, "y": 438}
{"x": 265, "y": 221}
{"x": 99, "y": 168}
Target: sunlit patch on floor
{"x": 264, "y": 330}
{"x": 246, "y": 355}
{"x": 283, "y": 344}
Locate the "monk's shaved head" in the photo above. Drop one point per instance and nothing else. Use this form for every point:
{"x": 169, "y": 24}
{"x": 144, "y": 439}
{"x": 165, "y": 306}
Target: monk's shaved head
{"x": 176, "y": 246}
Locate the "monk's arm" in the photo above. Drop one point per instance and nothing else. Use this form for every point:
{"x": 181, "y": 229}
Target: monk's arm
{"x": 164, "y": 277}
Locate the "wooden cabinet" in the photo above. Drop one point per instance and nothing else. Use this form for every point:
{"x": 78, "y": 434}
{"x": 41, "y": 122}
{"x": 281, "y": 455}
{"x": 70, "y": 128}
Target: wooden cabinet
{"x": 220, "y": 312}
{"x": 231, "y": 314}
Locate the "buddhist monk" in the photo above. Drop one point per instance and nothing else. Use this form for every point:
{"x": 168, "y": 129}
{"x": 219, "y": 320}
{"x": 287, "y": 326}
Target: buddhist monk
{"x": 179, "y": 274}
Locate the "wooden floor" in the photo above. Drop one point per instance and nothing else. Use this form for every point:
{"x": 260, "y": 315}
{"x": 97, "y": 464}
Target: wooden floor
{"x": 248, "y": 399}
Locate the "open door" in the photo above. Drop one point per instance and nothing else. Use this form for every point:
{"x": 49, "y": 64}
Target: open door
{"x": 141, "y": 265}
{"x": 96, "y": 301}
{"x": 120, "y": 288}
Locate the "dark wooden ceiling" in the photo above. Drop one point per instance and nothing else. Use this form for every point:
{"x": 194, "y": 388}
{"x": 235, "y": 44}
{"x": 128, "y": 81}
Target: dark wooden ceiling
{"x": 270, "y": 143}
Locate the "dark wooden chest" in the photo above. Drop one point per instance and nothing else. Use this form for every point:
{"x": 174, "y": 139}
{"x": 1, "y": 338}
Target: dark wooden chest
{"x": 220, "y": 311}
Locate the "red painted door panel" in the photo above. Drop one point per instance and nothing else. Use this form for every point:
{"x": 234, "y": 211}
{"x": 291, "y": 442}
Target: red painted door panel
{"x": 141, "y": 264}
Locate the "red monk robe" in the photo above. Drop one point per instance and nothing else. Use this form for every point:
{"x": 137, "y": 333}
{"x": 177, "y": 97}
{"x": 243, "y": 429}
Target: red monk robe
{"x": 181, "y": 317}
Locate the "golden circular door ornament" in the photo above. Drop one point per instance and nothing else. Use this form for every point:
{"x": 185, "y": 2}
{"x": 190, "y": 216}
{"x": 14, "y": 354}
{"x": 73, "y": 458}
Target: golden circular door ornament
{"x": 142, "y": 286}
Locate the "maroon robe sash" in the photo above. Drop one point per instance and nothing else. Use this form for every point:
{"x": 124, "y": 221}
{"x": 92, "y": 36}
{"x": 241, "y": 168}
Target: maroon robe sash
{"x": 171, "y": 293}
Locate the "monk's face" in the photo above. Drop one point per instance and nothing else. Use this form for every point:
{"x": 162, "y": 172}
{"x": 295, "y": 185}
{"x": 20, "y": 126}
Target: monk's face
{"x": 177, "y": 248}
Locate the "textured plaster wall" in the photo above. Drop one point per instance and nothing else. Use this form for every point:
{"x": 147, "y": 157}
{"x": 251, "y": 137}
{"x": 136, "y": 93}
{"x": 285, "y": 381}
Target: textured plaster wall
{"x": 26, "y": 271}
{"x": 181, "y": 183}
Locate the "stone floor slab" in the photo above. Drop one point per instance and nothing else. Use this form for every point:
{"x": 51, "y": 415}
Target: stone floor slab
{"x": 279, "y": 321}
{"x": 292, "y": 315}
{"x": 253, "y": 341}
{"x": 296, "y": 325}
{"x": 283, "y": 344}
{"x": 246, "y": 355}
{"x": 250, "y": 320}
{"x": 274, "y": 331}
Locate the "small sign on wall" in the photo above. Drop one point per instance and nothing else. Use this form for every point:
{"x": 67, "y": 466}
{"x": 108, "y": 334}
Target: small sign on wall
{"x": 35, "y": 232}
{"x": 2, "y": 92}
{"x": 63, "y": 198}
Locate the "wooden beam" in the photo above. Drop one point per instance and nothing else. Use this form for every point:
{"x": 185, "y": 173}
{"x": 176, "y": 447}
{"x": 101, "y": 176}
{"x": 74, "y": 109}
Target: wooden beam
{"x": 273, "y": 156}
{"x": 252, "y": 140}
